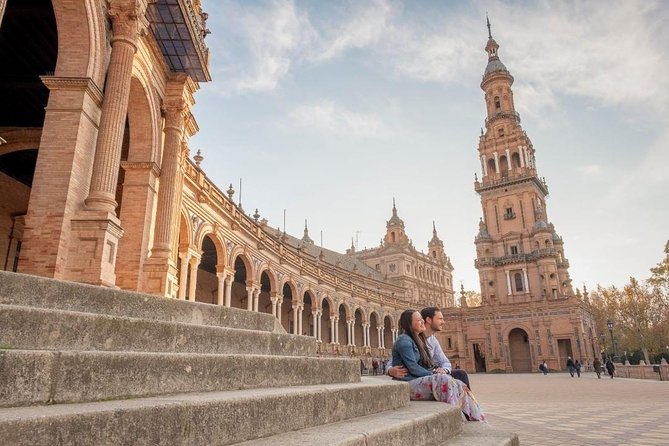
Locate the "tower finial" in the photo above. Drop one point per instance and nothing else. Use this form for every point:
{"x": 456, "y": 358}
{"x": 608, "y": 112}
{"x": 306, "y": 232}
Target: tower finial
{"x": 305, "y": 224}
{"x": 488, "y": 23}
{"x": 434, "y": 229}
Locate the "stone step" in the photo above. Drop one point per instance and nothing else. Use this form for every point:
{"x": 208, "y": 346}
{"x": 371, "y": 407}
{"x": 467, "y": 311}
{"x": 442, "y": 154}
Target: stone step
{"x": 482, "y": 434}
{"x": 214, "y": 418}
{"x": 421, "y": 423}
{"x": 39, "y": 377}
{"x": 34, "y": 291}
{"x": 46, "y": 329}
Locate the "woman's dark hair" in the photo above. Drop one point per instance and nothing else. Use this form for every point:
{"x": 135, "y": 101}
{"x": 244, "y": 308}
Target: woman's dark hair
{"x": 418, "y": 338}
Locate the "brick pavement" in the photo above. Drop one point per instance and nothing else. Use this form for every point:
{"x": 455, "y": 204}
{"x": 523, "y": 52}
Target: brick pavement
{"x": 557, "y": 409}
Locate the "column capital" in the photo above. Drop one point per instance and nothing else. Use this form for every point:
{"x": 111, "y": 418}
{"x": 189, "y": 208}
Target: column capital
{"x": 128, "y": 20}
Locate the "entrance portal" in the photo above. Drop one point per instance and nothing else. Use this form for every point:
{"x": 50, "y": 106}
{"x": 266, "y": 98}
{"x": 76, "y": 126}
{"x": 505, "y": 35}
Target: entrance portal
{"x": 564, "y": 350}
{"x": 479, "y": 359}
{"x": 519, "y": 347}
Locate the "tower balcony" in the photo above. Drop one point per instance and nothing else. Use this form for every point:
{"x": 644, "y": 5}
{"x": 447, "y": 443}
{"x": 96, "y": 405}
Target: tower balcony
{"x": 517, "y": 175}
{"x": 502, "y": 114}
{"x": 522, "y": 258}
{"x": 179, "y": 27}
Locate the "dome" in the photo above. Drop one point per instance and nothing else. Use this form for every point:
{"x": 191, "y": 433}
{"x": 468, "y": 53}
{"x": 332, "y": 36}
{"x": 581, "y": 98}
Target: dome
{"x": 540, "y": 224}
{"x": 493, "y": 66}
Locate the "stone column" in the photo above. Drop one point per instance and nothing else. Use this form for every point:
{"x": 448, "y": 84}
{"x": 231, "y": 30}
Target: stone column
{"x": 249, "y": 298}
{"x": 279, "y": 303}
{"x": 220, "y": 291}
{"x": 382, "y": 339}
{"x": 508, "y": 160}
{"x": 229, "y": 278}
{"x": 333, "y": 339}
{"x": 274, "y": 298}
{"x": 128, "y": 22}
{"x": 315, "y": 323}
{"x": 496, "y": 163}
{"x": 522, "y": 156}
{"x": 351, "y": 337}
{"x": 194, "y": 262}
{"x": 508, "y": 283}
{"x": 365, "y": 330}
{"x": 256, "y": 299}
{"x": 485, "y": 165}
{"x": 299, "y": 320}
{"x": 335, "y": 329}
{"x": 183, "y": 274}
{"x": 379, "y": 337}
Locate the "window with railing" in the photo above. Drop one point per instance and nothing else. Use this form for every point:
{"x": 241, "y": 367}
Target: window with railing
{"x": 509, "y": 214}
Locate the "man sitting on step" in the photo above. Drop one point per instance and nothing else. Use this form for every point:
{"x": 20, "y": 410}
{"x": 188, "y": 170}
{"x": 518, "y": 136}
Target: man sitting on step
{"x": 434, "y": 321}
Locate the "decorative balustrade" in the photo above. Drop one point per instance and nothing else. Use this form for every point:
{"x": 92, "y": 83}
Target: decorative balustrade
{"x": 517, "y": 175}
{"x": 520, "y": 258}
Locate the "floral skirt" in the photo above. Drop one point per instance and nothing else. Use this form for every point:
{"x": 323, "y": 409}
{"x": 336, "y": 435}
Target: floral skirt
{"x": 445, "y": 388}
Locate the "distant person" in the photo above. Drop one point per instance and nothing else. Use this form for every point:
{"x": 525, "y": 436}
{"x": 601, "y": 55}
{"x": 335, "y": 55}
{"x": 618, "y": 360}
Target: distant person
{"x": 577, "y": 366}
{"x": 427, "y": 382}
{"x": 610, "y": 368}
{"x": 570, "y": 366}
{"x": 597, "y": 365}
{"x": 544, "y": 367}
{"x": 375, "y": 367}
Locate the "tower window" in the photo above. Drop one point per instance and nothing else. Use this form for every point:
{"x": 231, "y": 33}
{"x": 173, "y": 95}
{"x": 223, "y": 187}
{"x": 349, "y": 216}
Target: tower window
{"x": 518, "y": 279}
{"x": 514, "y": 250}
{"x": 509, "y": 214}
{"x": 498, "y": 104}
{"x": 378, "y": 267}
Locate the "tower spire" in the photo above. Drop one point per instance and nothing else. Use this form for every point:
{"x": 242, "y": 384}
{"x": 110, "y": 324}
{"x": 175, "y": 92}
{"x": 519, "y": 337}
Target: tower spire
{"x": 488, "y": 22}
{"x": 306, "y": 237}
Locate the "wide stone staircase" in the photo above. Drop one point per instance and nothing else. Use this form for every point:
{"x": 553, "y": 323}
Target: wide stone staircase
{"x": 86, "y": 365}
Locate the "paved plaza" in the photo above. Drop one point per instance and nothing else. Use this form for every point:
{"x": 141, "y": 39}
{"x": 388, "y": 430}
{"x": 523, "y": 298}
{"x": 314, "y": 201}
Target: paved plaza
{"x": 559, "y": 410}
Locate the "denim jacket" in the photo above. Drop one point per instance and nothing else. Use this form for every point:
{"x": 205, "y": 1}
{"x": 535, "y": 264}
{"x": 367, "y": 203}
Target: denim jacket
{"x": 405, "y": 352}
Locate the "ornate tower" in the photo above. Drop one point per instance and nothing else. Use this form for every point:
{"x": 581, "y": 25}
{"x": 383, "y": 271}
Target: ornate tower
{"x": 395, "y": 232}
{"x": 436, "y": 246}
{"x": 519, "y": 255}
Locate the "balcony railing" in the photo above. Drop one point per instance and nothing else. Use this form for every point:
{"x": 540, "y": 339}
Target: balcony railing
{"x": 502, "y": 114}
{"x": 517, "y": 175}
{"x": 521, "y": 258}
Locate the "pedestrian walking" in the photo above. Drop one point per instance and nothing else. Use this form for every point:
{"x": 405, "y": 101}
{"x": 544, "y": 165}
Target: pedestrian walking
{"x": 577, "y": 366}
{"x": 610, "y": 368}
{"x": 570, "y": 366}
{"x": 544, "y": 367}
{"x": 375, "y": 367}
{"x": 597, "y": 364}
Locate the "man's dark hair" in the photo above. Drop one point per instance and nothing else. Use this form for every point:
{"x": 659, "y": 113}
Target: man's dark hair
{"x": 429, "y": 312}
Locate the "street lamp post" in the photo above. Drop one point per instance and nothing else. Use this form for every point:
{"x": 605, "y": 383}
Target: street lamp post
{"x": 609, "y": 324}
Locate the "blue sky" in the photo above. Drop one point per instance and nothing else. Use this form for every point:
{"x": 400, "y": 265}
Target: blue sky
{"x": 329, "y": 109}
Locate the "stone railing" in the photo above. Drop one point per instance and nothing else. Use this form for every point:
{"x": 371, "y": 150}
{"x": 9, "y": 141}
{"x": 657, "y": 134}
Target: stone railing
{"x": 502, "y": 114}
{"x": 517, "y": 175}
{"x": 658, "y": 372}
{"x": 519, "y": 258}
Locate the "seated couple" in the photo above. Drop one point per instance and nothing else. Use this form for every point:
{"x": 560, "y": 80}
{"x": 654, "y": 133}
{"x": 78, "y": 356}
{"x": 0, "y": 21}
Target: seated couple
{"x": 421, "y": 362}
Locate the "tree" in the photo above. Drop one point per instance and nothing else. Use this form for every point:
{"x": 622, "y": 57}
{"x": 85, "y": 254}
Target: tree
{"x": 659, "y": 278}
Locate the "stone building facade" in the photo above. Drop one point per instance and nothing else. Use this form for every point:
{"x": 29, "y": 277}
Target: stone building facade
{"x": 98, "y": 185}
{"x": 529, "y": 311}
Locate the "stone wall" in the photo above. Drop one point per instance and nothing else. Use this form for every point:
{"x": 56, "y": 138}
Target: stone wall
{"x": 658, "y": 372}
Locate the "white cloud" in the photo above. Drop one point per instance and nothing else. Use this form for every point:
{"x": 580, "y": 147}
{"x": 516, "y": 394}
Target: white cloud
{"x": 590, "y": 169}
{"x": 330, "y": 118}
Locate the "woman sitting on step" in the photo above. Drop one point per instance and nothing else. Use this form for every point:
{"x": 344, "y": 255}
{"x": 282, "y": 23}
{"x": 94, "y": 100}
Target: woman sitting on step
{"x": 411, "y": 351}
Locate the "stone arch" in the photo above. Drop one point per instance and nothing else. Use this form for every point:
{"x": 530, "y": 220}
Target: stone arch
{"x": 374, "y": 324}
{"x": 309, "y": 305}
{"x": 243, "y": 276}
{"x": 268, "y": 288}
{"x": 491, "y": 166}
{"x": 135, "y": 189}
{"x": 515, "y": 160}
{"x": 358, "y": 322}
{"x": 290, "y": 298}
{"x": 343, "y": 312}
{"x": 212, "y": 260}
{"x": 327, "y": 310}
{"x": 82, "y": 47}
{"x": 503, "y": 164}
{"x": 519, "y": 349}
{"x": 388, "y": 326}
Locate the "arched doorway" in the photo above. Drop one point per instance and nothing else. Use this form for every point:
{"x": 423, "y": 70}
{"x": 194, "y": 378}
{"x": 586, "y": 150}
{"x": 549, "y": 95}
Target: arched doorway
{"x": 359, "y": 330}
{"x": 307, "y": 315}
{"x": 287, "y": 315}
{"x": 373, "y": 330}
{"x": 238, "y": 293}
{"x": 519, "y": 348}
{"x": 326, "y": 324}
{"x": 388, "y": 332}
{"x": 343, "y": 326}
{"x": 264, "y": 298}
{"x": 207, "y": 281}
